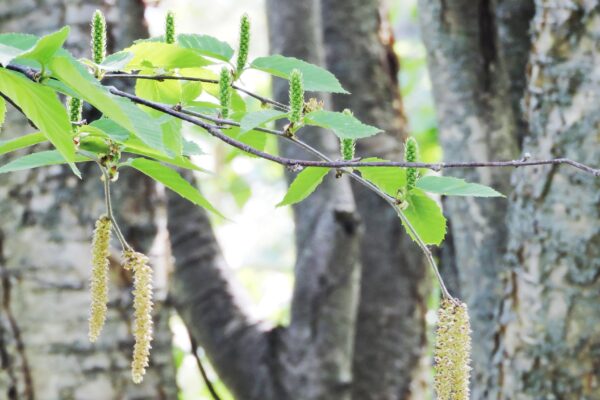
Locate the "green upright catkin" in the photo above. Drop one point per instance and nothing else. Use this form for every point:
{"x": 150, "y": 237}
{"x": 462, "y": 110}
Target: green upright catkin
{"x": 99, "y": 279}
{"x": 225, "y": 92}
{"x": 142, "y": 305}
{"x": 242, "y": 57}
{"x": 452, "y": 351}
{"x": 98, "y": 37}
{"x": 170, "y": 27}
{"x": 296, "y": 96}
{"x": 75, "y": 107}
{"x": 348, "y": 145}
{"x": 411, "y": 154}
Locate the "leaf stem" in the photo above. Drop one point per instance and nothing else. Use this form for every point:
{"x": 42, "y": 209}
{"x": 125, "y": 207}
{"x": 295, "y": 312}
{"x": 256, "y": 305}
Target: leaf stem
{"x": 109, "y": 209}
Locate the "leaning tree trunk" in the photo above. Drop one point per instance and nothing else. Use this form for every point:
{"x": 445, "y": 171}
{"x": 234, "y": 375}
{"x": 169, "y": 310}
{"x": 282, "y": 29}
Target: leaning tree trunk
{"x": 551, "y": 340}
{"x": 46, "y": 222}
{"x": 390, "y": 332}
{"x": 477, "y": 53}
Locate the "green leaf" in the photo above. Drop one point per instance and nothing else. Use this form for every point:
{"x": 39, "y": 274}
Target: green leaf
{"x": 206, "y": 45}
{"x": 163, "y": 55}
{"x": 389, "y": 179}
{"x": 345, "y": 126}
{"x": 167, "y": 91}
{"x": 171, "y": 179}
{"x": 258, "y": 118}
{"x": 190, "y": 148}
{"x": 237, "y": 101}
{"x": 42, "y": 107}
{"x": 35, "y": 160}
{"x": 6, "y": 146}
{"x": 108, "y": 128}
{"x": 121, "y": 110}
{"x": 190, "y": 92}
{"x": 21, "y": 41}
{"x": 116, "y": 61}
{"x": 426, "y": 217}
{"x": 172, "y": 136}
{"x": 46, "y": 46}
{"x": 305, "y": 183}
{"x": 113, "y": 130}
{"x": 8, "y": 53}
{"x": 315, "y": 78}
{"x": 2, "y": 111}
{"x": 455, "y": 187}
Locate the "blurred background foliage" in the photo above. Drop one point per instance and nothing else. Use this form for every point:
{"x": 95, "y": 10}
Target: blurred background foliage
{"x": 257, "y": 239}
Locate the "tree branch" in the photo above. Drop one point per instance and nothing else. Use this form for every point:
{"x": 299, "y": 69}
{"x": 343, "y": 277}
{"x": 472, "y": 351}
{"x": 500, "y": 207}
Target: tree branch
{"x": 288, "y": 162}
{"x": 294, "y": 163}
{"x": 210, "y": 304}
{"x": 161, "y": 78}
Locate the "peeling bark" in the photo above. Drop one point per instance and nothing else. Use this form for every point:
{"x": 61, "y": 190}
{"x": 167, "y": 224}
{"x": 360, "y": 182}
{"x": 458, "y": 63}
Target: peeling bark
{"x": 551, "y": 338}
{"x": 46, "y": 223}
{"x": 474, "y": 52}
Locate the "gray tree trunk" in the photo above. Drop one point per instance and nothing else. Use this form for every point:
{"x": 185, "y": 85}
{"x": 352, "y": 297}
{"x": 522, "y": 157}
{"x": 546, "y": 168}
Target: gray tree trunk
{"x": 551, "y": 339}
{"x": 529, "y": 266}
{"x": 390, "y": 331}
{"x": 477, "y": 121}
{"x": 46, "y": 222}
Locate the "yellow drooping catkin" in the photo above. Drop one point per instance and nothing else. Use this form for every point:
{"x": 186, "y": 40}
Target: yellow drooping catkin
{"x": 453, "y": 351}
{"x": 142, "y": 305}
{"x": 99, "y": 279}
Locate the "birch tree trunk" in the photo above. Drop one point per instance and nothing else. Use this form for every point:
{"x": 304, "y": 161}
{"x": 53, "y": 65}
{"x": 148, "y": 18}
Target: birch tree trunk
{"x": 46, "y": 222}
{"x": 477, "y": 121}
{"x": 551, "y": 340}
{"x": 507, "y": 83}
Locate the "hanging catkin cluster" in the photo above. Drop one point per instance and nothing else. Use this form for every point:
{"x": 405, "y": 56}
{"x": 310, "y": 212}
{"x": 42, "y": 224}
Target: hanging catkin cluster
{"x": 134, "y": 261}
{"x": 99, "y": 279}
{"x": 453, "y": 351}
{"x": 142, "y": 305}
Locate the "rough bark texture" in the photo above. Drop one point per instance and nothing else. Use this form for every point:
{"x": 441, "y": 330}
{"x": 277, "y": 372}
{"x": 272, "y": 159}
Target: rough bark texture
{"x": 320, "y": 339}
{"x": 46, "y": 221}
{"x": 390, "y": 332}
{"x": 474, "y": 58}
{"x": 206, "y": 298}
{"x": 551, "y": 338}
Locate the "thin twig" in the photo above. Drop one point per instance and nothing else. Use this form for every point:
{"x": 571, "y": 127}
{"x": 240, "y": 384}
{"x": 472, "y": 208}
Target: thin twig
{"x": 215, "y": 131}
{"x": 109, "y": 209}
{"x": 205, "y": 377}
{"x": 8, "y": 100}
{"x": 260, "y": 98}
{"x": 289, "y": 162}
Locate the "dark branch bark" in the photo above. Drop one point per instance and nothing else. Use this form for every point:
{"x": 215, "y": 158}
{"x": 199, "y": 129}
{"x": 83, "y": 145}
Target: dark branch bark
{"x": 205, "y": 297}
{"x": 391, "y": 326}
{"x": 319, "y": 340}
